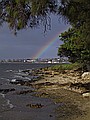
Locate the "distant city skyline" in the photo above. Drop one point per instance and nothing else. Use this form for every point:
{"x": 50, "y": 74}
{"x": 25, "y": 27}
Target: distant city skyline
{"x": 30, "y": 42}
{"x": 50, "y": 60}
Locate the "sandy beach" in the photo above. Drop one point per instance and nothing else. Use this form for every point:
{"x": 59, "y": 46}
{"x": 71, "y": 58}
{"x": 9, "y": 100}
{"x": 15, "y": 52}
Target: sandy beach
{"x": 65, "y": 89}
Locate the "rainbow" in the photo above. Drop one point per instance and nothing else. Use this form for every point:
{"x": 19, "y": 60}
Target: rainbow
{"x": 46, "y": 47}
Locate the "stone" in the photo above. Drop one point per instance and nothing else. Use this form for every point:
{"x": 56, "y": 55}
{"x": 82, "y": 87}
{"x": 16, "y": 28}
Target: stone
{"x": 86, "y": 76}
{"x": 4, "y": 91}
{"x": 87, "y": 95}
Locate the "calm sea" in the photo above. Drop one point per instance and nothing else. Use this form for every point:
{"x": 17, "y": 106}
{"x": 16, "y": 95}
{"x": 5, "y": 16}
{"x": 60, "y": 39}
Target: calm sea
{"x": 12, "y": 71}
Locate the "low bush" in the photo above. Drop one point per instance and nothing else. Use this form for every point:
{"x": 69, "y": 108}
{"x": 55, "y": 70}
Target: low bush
{"x": 62, "y": 67}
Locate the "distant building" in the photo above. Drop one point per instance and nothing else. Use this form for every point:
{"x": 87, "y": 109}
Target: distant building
{"x": 49, "y": 61}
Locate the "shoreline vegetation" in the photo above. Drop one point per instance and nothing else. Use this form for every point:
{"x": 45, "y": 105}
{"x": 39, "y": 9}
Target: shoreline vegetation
{"x": 65, "y": 85}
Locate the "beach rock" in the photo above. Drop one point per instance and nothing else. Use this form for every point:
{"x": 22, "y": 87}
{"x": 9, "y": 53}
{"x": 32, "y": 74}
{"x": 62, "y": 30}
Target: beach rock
{"x": 4, "y": 91}
{"x": 26, "y": 71}
{"x": 21, "y": 82}
{"x": 17, "y": 82}
{"x": 86, "y": 95}
{"x": 86, "y": 76}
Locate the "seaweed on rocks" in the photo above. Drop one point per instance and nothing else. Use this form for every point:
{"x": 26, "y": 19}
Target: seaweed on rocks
{"x": 37, "y": 105}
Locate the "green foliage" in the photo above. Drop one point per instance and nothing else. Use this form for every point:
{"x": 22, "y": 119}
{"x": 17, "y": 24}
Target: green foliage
{"x": 77, "y": 12}
{"x": 36, "y": 12}
{"x": 20, "y": 14}
{"x": 74, "y": 47}
{"x": 32, "y": 13}
{"x": 77, "y": 39}
{"x": 62, "y": 67}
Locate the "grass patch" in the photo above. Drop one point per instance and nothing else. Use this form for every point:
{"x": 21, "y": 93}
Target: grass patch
{"x": 60, "y": 67}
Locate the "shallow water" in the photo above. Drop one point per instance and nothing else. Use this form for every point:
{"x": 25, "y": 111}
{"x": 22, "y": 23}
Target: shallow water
{"x": 13, "y": 106}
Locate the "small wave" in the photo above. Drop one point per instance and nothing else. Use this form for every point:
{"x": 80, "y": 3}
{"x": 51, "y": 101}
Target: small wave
{"x": 9, "y": 70}
{"x": 22, "y": 77}
{"x": 19, "y": 77}
{"x": 19, "y": 71}
{"x": 3, "y": 95}
{"x": 5, "y": 80}
{"x": 12, "y": 71}
{"x": 2, "y": 78}
{"x": 9, "y": 104}
{"x": 27, "y": 78}
{"x": 6, "y": 104}
{"x": 13, "y": 80}
{"x": 22, "y": 74}
{"x": 26, "y": 70}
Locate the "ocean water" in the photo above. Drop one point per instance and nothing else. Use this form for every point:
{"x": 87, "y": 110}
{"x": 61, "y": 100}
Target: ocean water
{"x": 9, "y": 101}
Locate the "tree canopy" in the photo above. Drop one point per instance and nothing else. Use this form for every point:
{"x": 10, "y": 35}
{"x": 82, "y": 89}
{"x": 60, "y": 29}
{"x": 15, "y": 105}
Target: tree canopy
{"x": 77, "y": 39}
{"x": 74, "y": 47}
{"x": 20, "y": 14}
{"x": 77, "y": 12}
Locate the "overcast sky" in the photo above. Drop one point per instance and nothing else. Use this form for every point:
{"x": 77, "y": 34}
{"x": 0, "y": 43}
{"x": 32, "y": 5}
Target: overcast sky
{"x": 28, "y": 42}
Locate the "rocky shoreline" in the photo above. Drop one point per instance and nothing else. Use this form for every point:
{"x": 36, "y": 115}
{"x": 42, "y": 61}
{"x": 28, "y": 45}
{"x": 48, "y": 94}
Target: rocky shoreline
{"x": 69, "y": 90}
{"x": 73, "y": 80}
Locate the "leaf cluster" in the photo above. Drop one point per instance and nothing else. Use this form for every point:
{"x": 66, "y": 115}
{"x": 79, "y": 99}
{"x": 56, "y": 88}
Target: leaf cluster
{"x": 20, "y": 14}
{"x": 77, "y": 39}
{"x": 74, "y": 47}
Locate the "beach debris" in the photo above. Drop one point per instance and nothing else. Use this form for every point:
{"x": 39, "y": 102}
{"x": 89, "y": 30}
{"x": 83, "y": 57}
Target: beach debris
{"x": 20, "y": 82}
{"x": 37, "y": 105}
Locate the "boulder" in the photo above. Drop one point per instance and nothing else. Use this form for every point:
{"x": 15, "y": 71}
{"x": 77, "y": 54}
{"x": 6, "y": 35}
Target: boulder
{"x": 86, "y": 95}
{"x": 86, "y": 76}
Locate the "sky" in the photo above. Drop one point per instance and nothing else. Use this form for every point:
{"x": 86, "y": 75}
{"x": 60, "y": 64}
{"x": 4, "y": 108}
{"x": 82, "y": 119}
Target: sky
{"x": 31, "y": 43}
